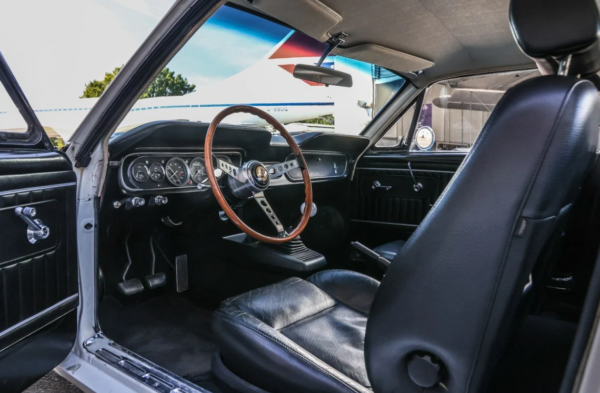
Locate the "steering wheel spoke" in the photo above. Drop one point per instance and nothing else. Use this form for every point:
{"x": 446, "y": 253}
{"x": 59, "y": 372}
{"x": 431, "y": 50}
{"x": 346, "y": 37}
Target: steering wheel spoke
{"x": 229, "y": 169}
{"x": 281, "y": 168}
{"x": 268, "y": 210}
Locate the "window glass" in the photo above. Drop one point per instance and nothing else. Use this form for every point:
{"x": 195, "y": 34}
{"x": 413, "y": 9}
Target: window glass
{"x": 56, "y": 49}
{"x": 240, "y": 58}
{"x": 10, "y": 117}
{"x": 399, "y": 131}
{"x": 454, "y": 111}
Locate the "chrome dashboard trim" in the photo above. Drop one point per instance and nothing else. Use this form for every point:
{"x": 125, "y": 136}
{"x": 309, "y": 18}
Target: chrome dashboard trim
{"x": 170, "y": 154}
{"x": 316, "y": 153}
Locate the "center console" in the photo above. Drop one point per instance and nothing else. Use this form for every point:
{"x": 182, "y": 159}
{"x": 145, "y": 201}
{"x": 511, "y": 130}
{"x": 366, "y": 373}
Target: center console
{"x": 293, "y": 255}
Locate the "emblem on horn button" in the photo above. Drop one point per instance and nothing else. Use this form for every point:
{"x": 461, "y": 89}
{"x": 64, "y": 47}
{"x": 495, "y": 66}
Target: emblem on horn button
{"x": 261, "y": 174}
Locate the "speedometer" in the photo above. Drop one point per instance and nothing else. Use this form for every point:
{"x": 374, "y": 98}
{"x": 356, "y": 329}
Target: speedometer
{"x": 178, "y": 172}
{"x": 198, "y": 170}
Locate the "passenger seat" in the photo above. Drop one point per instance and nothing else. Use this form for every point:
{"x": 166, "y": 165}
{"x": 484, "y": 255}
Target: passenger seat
{"x": 390, "y": 250}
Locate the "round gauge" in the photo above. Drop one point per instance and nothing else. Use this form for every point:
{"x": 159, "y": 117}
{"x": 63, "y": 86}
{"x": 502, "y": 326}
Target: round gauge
{"x": 177, "y": 171}
{"x": 139, "y": 173}
{"x": 157, "y": 172}
{"x": 198, "y": 170}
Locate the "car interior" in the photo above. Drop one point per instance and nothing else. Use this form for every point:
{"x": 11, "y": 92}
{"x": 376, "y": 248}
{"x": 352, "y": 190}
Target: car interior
{"x": 426, "y": 262}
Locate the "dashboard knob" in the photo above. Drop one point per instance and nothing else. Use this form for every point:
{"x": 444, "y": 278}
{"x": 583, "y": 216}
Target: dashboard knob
{"x": 313, "y": 210}
{"x": 160, "y": 200}
{"x": 138, "y": 202}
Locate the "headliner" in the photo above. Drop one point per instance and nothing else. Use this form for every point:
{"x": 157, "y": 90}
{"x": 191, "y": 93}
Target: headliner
{"x": 459, "y": 36}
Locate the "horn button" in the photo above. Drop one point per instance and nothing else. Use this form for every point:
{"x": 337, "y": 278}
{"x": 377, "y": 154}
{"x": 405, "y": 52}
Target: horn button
{"x": 256, "y": 179}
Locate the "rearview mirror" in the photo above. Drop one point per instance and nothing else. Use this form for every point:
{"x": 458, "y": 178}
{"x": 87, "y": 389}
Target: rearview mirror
{"x": 323, "y": 75}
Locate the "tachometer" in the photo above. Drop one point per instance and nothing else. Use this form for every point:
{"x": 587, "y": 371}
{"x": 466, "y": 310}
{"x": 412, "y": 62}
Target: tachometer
{"x": 198, "y": 170}
{"x": 178, "y": 172}
{"x": 140, "y": 173}
{"x": 157, "y": 172}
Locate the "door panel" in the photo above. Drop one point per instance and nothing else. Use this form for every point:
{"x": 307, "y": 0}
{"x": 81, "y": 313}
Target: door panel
{"x": 393, "y": 210}
{"x": 38, "y": 282}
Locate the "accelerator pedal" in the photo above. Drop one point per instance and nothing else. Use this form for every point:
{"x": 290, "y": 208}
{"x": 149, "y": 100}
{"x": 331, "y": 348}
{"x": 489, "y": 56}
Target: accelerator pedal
{"x": 181, "y": 273}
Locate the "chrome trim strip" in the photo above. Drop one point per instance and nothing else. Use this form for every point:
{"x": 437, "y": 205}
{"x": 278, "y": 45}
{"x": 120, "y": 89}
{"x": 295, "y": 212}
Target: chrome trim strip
{"x": 403, "y": 170}
{"x": 51, "y": 186}
{"x": 386, "y": 223}
{"x": 14, "y": 329}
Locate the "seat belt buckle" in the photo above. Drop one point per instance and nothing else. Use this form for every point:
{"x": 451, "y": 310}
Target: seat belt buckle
{"x": 561, "y": 283}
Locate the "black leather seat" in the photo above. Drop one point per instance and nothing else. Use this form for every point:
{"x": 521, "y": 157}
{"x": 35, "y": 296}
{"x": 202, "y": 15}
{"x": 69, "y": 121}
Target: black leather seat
{"x": 452, "y": 300}
{"x": 390, "y": 250}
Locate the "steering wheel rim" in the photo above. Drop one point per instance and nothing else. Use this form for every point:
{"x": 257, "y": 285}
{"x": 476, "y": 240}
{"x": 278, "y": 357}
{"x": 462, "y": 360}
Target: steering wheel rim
{"x": 301, "y": 163}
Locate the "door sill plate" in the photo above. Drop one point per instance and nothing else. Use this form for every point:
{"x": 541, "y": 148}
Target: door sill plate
{"x": 140, "y": 369}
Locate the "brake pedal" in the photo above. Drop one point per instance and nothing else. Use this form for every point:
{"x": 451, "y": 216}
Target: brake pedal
{"x": 155, "y": 280}
{"x": 133, "y": 286}
{"x": 181, "y": 273}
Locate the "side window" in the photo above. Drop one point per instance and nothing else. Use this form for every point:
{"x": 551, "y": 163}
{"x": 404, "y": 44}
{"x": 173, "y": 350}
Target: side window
{"x": 399, "y": 131}
{"x": 11, "y": 119}
{"x": 454, "y": 111}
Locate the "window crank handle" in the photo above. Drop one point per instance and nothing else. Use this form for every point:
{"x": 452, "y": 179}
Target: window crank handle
{"x": 36, "y": 230}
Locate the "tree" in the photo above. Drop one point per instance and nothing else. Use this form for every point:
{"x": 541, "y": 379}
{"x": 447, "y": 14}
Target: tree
{"x": 327, "y": 120}
{"x": 165, "y": 84}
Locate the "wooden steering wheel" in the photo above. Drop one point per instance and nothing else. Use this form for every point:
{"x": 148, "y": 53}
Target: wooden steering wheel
{"x": 252, "y": 179}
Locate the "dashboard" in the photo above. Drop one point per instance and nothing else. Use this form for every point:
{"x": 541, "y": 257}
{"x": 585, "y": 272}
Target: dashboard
{"x": 157, "y": 170}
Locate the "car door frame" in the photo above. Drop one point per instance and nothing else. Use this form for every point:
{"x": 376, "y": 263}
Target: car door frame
{"x": 41, "y": 329}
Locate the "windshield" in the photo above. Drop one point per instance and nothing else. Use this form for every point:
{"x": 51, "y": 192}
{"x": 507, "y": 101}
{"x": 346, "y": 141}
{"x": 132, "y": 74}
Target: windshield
{"x": 239, "y": 58}
{"x": 64, "y": 63}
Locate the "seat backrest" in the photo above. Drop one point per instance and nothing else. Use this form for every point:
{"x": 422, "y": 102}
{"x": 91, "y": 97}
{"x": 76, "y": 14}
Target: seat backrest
{"x": 456, "y": 292}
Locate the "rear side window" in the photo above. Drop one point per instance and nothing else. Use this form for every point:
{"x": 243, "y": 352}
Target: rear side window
{"x": 454, "y": 111}
{"x": 10, "y": 117}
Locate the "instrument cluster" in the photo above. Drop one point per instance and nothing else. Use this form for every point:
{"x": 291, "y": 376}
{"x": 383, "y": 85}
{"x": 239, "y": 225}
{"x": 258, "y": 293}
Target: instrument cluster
{"x": 169, "y": 171}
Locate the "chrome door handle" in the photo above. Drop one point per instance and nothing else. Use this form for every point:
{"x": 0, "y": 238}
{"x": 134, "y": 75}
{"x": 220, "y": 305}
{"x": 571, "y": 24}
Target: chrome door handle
{"x": 377, "y": 184}
{"x": 36, "y": 230}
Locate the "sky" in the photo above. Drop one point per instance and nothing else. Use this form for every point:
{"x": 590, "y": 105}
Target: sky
{"x": 55, "y": 47}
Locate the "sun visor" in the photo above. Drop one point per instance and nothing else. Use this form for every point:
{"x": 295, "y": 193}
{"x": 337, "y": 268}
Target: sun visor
{"x": 308, "y": 16}
{"x": 385, "y": 57}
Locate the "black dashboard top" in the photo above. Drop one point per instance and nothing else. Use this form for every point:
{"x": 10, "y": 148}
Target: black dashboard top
{"x": 258, "y": 143}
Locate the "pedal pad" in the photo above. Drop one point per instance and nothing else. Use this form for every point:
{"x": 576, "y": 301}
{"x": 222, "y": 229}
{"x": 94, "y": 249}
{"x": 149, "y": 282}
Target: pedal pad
{"x": 181, "y": 273}
{"x": 130, "y": 287}
{"x": 156, "y": 280}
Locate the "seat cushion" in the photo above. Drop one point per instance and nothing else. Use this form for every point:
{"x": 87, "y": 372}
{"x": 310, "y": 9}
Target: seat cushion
{"x": 390, "y": 250}
{"x": 311, "y": 329}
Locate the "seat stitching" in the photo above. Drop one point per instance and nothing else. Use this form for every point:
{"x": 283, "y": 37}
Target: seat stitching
{"x": 308, "y": 316}
{"x": 291, "y": 350}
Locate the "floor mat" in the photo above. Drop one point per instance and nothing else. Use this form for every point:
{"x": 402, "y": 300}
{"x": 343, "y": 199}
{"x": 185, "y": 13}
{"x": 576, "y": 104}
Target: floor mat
{"x": 536, "y": 360}
{"x": 169, "y": 331}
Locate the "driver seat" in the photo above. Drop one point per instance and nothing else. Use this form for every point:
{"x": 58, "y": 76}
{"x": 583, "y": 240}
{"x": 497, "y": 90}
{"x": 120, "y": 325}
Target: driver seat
{"x": 438, "y": 320}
